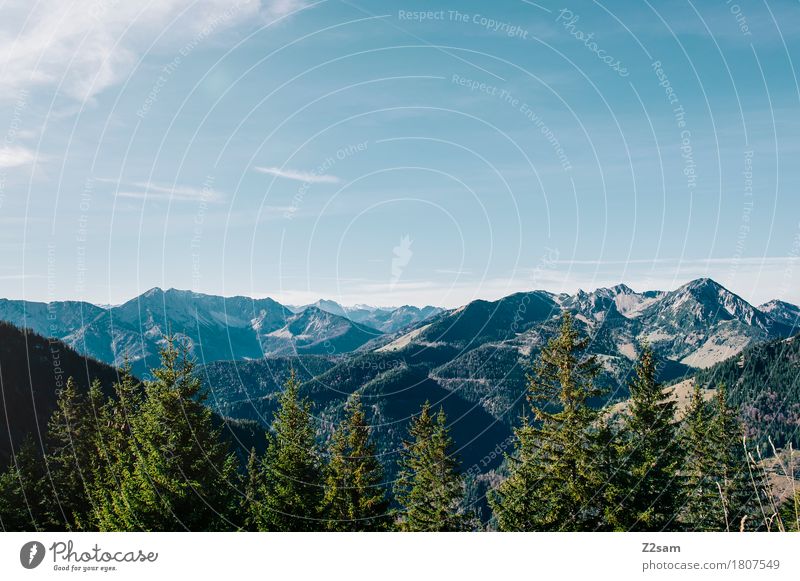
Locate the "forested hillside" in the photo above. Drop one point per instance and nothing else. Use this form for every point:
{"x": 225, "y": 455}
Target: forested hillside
{"x": 764, "y": 381}
{"x": 396, "y": 451}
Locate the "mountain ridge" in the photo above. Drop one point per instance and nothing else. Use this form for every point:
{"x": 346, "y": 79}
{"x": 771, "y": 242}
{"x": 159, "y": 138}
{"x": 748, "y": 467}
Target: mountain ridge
{"x": 698, "y": 323}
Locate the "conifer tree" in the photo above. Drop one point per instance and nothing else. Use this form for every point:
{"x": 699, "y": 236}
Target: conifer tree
{"x": 650, "y": 457}
{"x": 253, "y": 481}
{"x": 555, "y": 480}
{"x": 513, "y": 503}
{"x": 182, "y": 473}
{"x": 115, "y": 452}
{"x": 72, "y": 455}
{"x": 702, "y": 505}
{"x": 737, "y": 488}
{"x": 292, "y": 492}
{"x": 719, "y": 493}
{"x": 355, "y": 498}
{"x": 429, "y": 488}
{"x": 790, "y": 513}
{"x": 23, "y": 504}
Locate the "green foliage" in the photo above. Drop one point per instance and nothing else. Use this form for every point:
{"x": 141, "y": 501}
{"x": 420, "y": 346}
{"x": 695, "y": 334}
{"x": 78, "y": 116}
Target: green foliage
{"x": 24, "y": 504}
{"x": 554, "y": 473}
{"x": 252, "y": 483}
{"x": 515, "y": 501}
{"x": 177, "y": 473}
{"x": 291, "y": 495}
{"x": 72, "y": 454}
{"x": 721, "y": 494}
{"x": 429, "y": 488}
{"x": 355, "y": 498}
{"x": 790, "y": 513}
{"x": 646, "y": 482}
{"x": 762, "y": 383}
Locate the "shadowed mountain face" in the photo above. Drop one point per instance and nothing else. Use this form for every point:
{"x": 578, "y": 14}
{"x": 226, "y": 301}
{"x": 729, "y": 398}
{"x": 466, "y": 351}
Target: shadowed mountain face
{"x": 472, "y": 360}
{"x": 216, "y": 328}
{"x": 782, "y": 313}
{"x": 695, "y": 325}
{"x": 32, "y": 370}
{"x": 482, "y": 352}
{"x": 314, "y": 331}
{"x": 763, "y": 380}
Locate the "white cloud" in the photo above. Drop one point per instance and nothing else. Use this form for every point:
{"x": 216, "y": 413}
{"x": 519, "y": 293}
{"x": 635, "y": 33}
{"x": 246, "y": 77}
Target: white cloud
{"x": 281, "y": 8}
{"x": 16, "y": 156}
{"x": 297, "y": 175}
{"x": 83, "y": 48}
{"x": 175, "y": 193}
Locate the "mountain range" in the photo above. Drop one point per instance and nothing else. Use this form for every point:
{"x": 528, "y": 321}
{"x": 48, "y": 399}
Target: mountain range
{"x": 214, "y": 327}
{"x": 696, "y": 325}
{"x": 472, "y": 361}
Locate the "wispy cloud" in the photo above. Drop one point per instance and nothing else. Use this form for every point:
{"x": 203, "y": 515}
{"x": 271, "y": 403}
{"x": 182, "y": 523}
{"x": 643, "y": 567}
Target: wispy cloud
{"x": 297, "y": 175}
{"x": 84, "y": 47}
{"x": 281, "y": 8}
{"x": 174, "y": 193}
{"x": 16, "y": 156}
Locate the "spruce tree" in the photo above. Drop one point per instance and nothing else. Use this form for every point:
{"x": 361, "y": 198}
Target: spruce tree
{"x": 292, "y": 492}
{"x": 429, "y": 488}
{"x": 719, "y": 492}
{"x": 555, "y": 480}
{"x": 738, "y": 489}
{"x": 513, "y": 503}
{"x": 701, "y": 511}
{"x": 182, "y": 475}
{"x": 23, "y": 502}
{"x": 73, "y": 455}
{"x": 355, "y": 498}
{"x": 650, "y": 455}
{"x": 252, "y": 482}
{"x": 115, "y": 453}
{"x": 790, "y": 513}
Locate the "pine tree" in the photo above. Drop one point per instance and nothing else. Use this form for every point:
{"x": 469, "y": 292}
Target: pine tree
{"x": 702, "y": 509}
{"x": 429, "y": 488}
{"x": 24, "y": 503}
{"x": 650, "y": 456}
{"x": 182, "y": 474}
{"x": 355, "y": 499}
{"x": 555, "y": 480}
{"x": 513, "y": 503}
{"x": 115, "y": 452}
{"x": 253, "y": 481}
{"x": 72, "y": 456}
{"x": 720, "y": 495}
{"x": 734, "y": 482}
{"x": 292, "y": 493}
{"x": 790, "y": 513}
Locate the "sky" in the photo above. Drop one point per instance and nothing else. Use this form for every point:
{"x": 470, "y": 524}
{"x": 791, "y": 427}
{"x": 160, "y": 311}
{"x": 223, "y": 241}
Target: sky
{"x": 395, "y": 153}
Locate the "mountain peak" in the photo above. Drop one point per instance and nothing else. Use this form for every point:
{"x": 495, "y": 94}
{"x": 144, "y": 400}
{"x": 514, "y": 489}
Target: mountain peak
{"x": 622, "y": 289}
{"x": 703, "y": 283}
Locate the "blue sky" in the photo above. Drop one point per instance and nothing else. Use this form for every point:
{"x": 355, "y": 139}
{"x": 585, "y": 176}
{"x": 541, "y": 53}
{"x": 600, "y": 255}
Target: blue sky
{"x": 392, "y": 153}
